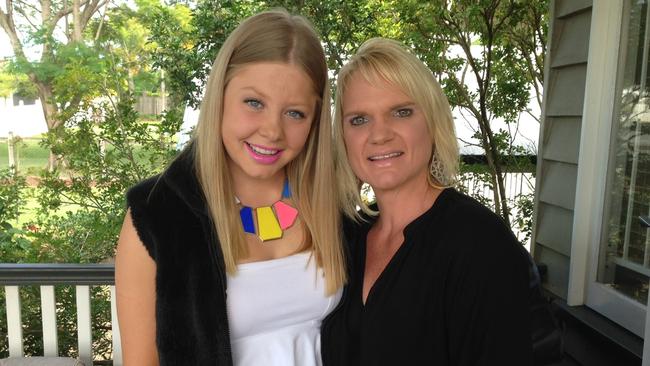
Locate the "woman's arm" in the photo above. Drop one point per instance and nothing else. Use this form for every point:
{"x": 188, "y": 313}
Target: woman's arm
{"x": 135, "y": 284}
{"x": 489, "y": 311}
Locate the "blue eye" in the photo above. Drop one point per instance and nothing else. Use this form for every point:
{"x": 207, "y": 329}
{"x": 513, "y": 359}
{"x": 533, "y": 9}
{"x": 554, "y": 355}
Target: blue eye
{"x": 295, "y": 114}
{"x": 358, "y": 120}
{"x": 253, "y": 103}
{"x": 403, "y": 112}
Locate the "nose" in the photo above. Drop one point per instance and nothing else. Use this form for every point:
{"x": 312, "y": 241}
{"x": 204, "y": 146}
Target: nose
{"x": 271, "y": 128}
{"x": 380, "y": 131}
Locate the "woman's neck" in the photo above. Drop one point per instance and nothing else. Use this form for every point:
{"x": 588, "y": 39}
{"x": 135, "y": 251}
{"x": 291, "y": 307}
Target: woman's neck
{"x": 400, "y": 207}
{"x": 259, "y": 192}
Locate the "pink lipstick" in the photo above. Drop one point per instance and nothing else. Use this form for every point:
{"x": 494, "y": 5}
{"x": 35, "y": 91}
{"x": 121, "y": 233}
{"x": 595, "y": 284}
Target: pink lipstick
{"x": 263, "y": 154}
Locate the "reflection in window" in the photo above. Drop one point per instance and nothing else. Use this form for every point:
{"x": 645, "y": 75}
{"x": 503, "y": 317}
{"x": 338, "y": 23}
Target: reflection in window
{"x": 625, "y": 253}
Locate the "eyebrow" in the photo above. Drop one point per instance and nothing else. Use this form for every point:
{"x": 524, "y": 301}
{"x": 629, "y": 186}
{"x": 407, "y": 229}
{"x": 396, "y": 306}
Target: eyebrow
{"x": 403, "y": 105}
{"x": 265, "y": 96}
{"x": 253, "y": 89}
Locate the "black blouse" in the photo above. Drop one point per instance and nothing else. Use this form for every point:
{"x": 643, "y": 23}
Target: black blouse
{"x": 455, "y": 293}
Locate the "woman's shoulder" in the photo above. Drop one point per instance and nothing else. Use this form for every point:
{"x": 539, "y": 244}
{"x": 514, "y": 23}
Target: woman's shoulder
{"x": 475, "y": 228}
{"x": 461, "y": 210}
{"x": 176, "y": 185}
{"x": 459, "y": 203}
{"x": 141, "y": 192}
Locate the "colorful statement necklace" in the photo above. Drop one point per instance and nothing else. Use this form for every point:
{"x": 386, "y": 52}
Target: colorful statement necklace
{"x": 271, "y": 220}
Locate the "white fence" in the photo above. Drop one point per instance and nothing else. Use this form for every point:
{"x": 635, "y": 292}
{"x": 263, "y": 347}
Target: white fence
{"x": 516, "y": 184}
{"x": 82, "y": 276}
{"x": 27, "y": 120}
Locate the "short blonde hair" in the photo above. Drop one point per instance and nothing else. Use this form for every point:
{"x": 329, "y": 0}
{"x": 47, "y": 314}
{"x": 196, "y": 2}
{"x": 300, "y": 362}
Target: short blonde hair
{"x": 273, "y": 36}
{"x": 380, "y": 59}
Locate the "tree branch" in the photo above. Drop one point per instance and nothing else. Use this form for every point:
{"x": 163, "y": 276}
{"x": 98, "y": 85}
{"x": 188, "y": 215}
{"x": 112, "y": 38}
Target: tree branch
{"x": 465, "y": 43}
{"x": 7, "y": 23}
{"x": 536, "y": 117}
{"x": 22, "y": 12}
{"x": 67, "y": 10}
{"x": 509, "y": 12}
{"x": 91, "y": 9}
{"x": 101, "y": 22}
{"x": 24, "y": 4}
{"x": 76, "y": 21}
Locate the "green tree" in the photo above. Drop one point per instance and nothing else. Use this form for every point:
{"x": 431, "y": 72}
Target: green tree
{"x": 81, "y": 209}
{"x": 124, "y": 40}
{"x": 108, "y": 148}
{"x": 186, "y": 49}
{"x": 12, "y": 199}
{"x": 498, "y": 44}
{"x": 15, "y": 83}
{"x": 344, "y": 25}
{"x": 188, "y": 40}
{"x": 65, "y": 69}
{"x": 528, "y": 39}
{"x": 499, "y": 48}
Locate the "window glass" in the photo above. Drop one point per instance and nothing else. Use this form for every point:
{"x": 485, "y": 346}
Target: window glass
{"x": 624, "y": 262}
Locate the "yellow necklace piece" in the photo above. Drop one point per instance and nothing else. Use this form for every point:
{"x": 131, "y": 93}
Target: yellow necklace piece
{"x": 271, "y": 220}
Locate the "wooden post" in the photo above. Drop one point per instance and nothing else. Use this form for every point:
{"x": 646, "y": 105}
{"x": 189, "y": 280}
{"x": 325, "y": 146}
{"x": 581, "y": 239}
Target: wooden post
{"x": 163, "y": 91}
{"x": 645, "y": 359}
{"x": 84, "y": 325}
{"x": 14, "y": 321}
{"x": 12, "y": 153}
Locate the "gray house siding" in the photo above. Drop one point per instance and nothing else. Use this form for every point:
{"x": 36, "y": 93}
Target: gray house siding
{"x": 567, "y": 7}
{"x": 589, "y": 338}
{"x": 559, "y": 142}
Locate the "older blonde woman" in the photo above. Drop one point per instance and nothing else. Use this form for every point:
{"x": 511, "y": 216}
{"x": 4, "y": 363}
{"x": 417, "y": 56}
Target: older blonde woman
{"x": 244, "y": 211}
{"x": 437, "y": 278}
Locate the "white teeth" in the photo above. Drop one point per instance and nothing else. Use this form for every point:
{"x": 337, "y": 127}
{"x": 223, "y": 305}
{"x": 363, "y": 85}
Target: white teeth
{"x": 386, "y": 156}
{"x": 262, "y": 151}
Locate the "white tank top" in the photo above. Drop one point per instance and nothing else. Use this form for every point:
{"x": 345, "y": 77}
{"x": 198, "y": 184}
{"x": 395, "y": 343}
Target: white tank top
{"x": 275, "y": 309}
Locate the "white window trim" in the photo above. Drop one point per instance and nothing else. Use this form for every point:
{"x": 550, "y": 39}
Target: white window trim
{"x": 597, "y": 117}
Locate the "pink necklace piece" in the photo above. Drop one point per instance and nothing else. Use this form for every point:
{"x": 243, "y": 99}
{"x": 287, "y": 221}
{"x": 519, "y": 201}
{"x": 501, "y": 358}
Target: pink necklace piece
{"x": 270, "y": 221}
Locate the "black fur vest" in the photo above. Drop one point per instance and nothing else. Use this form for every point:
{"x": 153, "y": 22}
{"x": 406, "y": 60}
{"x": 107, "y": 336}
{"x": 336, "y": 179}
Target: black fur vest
{"x": 171, "y": 217}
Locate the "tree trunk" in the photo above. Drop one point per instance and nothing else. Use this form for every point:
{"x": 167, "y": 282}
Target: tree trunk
{"x": 50, "y": 111}
{"x": 500, "y": 203}
{"x": 492, "y": 156}
{"x": 76, "y": 21}
{"x": 131, "y": 82}
{"x": 163, "y": 90}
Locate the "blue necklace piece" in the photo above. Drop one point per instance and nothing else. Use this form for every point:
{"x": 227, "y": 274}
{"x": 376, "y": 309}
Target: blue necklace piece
{"x": 271, "y": 221}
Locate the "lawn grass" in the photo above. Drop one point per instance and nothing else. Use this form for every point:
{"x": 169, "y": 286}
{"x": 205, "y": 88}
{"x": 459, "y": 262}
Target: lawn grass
{"x": 32, "y": 157}
{"x": 28, "y": 211}
{"x": 32, "y": 161}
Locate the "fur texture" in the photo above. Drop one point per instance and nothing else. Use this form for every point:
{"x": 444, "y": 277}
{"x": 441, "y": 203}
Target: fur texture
{"x": 170, "y": 215}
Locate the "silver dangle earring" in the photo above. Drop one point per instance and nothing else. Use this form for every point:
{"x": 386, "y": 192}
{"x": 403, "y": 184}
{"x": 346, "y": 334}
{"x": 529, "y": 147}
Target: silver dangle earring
{"x": 437, "y": 170}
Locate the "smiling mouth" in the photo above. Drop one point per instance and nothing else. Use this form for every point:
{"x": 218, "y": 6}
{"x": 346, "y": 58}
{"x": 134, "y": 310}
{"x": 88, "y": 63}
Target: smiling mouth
{"x": 385, "y": 156}
{"x": 263, "y": 151}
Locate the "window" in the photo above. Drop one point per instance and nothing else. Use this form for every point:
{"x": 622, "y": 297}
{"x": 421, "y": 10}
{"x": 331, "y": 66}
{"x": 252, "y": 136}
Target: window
{"x": 609, "y": 269}
{"x": 624, "y": 256}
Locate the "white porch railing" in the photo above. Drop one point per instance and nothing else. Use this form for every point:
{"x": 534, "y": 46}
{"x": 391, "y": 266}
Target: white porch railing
{"x": 82, "y": 276}
{"x": 516, "y": 184}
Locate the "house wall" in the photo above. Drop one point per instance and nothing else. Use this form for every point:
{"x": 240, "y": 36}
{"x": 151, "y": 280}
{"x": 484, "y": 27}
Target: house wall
{"x": 559, "y": 141}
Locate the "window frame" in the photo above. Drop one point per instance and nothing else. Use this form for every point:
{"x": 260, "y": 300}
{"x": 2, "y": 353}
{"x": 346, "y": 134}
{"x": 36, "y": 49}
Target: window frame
{"x": 589, "y": 213}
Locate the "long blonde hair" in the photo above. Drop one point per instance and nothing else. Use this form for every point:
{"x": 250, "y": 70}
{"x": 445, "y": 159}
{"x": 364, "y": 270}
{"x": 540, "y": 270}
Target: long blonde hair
{"x": 381, "y": 59}
{"x": 273, "y": 36}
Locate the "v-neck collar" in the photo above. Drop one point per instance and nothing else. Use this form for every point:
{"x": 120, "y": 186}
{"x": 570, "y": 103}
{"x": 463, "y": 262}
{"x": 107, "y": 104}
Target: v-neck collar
{"x": 409, "y": 230}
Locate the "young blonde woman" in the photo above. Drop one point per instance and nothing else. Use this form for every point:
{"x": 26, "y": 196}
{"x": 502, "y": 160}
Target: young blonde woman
{"x": 232, "y": 255}
{"x": 437, "y": 278}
